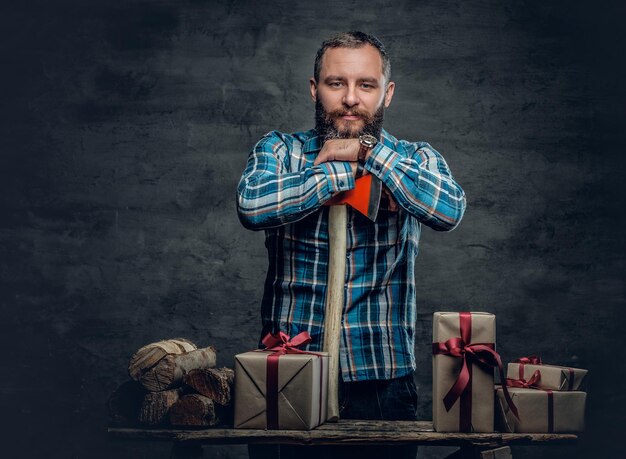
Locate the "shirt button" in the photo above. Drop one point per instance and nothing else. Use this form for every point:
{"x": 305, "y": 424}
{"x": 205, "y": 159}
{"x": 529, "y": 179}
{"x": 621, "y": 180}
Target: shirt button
{"x": 340, "y": 183}
{"x": 348, "y": 255}
{"x": 349, "y": 225}
{"x": 377, "y": 167}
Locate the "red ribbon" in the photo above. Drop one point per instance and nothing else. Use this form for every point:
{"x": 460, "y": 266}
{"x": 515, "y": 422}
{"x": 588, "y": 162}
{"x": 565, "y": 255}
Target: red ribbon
{"x": 280, "y": 344}
{"x": 536, "y": 360}
{"x": 482, "y": 354}
{"x": 530, "y": 360}
{"x": 530, "y": 384}
{"x": 550, "y": 411}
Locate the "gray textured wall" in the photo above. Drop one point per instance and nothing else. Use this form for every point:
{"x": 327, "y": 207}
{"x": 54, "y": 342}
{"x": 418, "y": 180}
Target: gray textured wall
{"x": 125, "y": 127}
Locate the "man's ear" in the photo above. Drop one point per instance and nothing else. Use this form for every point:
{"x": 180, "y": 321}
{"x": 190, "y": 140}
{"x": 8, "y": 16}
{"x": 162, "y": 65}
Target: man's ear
{"x": 313, "y": 88}
{"x": 391, "y": 86}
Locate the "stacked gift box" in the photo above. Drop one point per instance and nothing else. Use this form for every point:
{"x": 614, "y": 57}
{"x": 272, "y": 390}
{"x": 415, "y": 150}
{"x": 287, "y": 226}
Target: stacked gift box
{"x": 549, "y": 398}
{"x": 535, "y": 398}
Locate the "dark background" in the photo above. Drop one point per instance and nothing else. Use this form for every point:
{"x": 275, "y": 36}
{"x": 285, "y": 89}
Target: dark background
{"x": 126, "y": 125}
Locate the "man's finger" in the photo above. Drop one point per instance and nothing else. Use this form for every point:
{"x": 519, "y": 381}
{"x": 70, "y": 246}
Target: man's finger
{"x": 338, "y": 150}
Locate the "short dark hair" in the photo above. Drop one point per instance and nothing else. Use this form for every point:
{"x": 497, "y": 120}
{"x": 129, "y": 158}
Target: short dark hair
{"x": 352, "y": 40}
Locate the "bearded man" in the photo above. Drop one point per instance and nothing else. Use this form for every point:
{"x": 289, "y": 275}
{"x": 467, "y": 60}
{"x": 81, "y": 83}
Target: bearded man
{"x": 283, "y": 189}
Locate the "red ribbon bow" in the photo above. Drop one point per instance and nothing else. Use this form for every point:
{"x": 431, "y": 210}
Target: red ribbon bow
{"x": 521, "y": 382}
{"x": 536, "y": 360}
{"x": 482, "y": 354}
{"x": 282, "y": 343}
{"x": 530, "y": 360}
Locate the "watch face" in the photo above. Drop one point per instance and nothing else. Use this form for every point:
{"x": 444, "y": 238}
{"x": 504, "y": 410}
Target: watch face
{"x": 368, "y": 140}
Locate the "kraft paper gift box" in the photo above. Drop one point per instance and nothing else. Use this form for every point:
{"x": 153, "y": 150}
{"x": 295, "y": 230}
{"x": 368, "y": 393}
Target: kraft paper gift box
{"x": 542, "y": 411}
{"x": 300, "y": 394}
{"x": 552, "y": 376}
{"x": 474, "y": 409}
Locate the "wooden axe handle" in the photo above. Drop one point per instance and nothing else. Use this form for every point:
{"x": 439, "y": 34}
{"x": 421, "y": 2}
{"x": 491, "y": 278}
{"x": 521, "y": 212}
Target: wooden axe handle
{"x": 337, "y": 227}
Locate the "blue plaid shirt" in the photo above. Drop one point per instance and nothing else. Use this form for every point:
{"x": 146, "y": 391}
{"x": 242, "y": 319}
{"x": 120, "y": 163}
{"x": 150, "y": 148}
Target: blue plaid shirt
{"x": 283, "y": 193}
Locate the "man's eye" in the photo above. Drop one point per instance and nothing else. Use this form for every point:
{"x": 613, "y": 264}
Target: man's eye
{"x": 335, "y": 84}
{"x": 367, "y": 86}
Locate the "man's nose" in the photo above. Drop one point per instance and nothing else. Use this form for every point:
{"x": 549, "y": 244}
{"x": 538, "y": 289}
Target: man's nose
{"x": 351, "y": 98}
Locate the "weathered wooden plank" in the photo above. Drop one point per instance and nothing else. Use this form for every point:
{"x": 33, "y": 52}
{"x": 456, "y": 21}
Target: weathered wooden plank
{"x": 348, "y": 432}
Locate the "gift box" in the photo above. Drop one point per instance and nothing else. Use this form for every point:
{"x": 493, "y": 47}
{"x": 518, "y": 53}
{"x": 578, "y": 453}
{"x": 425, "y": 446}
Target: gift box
{"x": 280, "y": 389}
{"x": 551, "y": 377}
{"x": 541, "y": 411}
{"x": 504, "y": 452}
{"x": 463, "y": 397}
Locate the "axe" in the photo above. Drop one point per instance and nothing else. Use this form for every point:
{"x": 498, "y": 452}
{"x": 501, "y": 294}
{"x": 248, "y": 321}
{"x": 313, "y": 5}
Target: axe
{"x": 365, "y": 198}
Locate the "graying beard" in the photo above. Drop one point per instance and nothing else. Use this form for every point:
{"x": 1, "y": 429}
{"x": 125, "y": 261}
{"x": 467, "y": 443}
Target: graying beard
{"x": 328, "y": 131}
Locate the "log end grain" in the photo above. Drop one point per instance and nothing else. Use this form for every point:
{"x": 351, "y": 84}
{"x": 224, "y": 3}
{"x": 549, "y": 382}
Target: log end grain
{"x": 194, "y": 410}
{"x": 215, "y": 383}
{"x": 156, "y": 405}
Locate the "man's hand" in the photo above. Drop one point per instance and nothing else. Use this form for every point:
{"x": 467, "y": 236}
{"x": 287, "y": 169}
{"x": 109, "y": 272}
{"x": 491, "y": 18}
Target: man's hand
{"x": 340, "y": 150}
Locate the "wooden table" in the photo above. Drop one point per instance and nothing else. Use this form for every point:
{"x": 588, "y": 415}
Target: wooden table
{"x": 344, "y": 432}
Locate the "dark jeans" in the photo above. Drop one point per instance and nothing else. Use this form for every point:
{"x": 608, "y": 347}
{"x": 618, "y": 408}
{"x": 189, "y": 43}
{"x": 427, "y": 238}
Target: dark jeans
{"x": 390, "y": 400}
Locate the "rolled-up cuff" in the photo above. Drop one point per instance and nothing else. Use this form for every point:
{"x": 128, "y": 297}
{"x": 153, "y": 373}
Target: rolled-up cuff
{"x": 339, "y": 175}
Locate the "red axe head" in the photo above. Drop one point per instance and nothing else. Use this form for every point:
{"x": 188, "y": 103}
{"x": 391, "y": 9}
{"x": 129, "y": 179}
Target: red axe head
{"x": 364, "y": 197}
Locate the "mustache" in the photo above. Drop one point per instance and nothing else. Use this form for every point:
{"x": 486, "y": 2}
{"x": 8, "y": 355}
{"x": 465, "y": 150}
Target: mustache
{"x": 353, "y": 112}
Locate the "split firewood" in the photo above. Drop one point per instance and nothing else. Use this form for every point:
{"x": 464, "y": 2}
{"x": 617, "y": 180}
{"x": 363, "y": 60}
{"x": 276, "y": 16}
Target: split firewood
{"x": 194, "y": 410}
{"x": 215, "y": 383}
{"x": 156, "y": 405}
{"x": 148, "y": 356}
{"x": 170, "y": 370}
{"x": 125, "y": 403}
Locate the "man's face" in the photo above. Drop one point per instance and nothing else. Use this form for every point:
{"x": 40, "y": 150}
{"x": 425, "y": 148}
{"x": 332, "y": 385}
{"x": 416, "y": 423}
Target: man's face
{"x": 351, "y": 94}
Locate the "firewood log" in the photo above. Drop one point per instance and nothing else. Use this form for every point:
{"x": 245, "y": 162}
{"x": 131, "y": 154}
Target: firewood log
{"x": 169, "y": 372}
{"x": 215, "y": 383}
{"x": 194, "y": 410}
{"x": 156, "y": 405}
{"x": 149, "y": 355}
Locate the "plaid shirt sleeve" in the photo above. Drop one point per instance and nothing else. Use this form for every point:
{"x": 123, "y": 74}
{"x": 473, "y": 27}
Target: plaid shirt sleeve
{"x": 270, "y": 195}
{"x": 420, "y": 181}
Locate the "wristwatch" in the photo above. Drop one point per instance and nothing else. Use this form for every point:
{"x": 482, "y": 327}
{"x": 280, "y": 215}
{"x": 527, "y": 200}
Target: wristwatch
{"x": 367, "y": 142}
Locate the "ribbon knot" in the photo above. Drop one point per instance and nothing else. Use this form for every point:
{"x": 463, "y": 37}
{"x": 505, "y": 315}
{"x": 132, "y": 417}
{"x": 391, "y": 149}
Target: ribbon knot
{"x": 281, "y": 342}
{"x": 531, "y": 383}
{"x": 530, "y": 360}
{"x": 454, "y": 346}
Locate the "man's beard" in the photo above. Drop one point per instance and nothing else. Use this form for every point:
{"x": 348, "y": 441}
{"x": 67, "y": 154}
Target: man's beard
{"x": 325, "y": 122}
